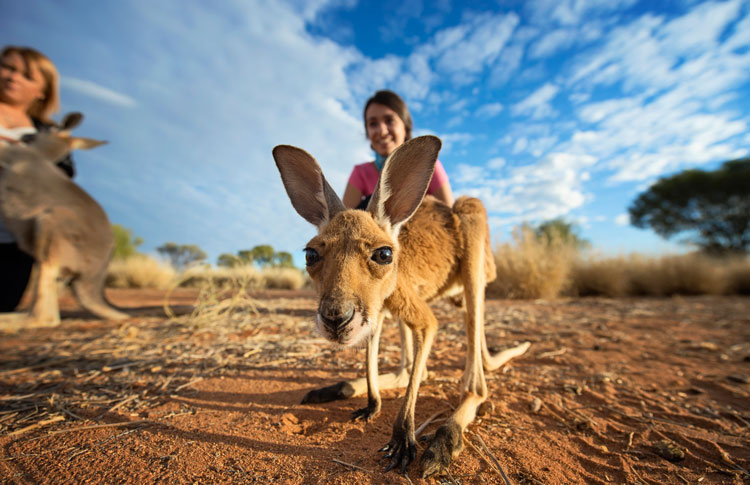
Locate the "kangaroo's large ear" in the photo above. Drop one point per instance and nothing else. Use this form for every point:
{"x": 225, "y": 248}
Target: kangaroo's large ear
{"x": 79, "y": 143}
{"x": 70, "y": 121}
{"x": 404, "y": 181}
{"x": 311, "y": 195}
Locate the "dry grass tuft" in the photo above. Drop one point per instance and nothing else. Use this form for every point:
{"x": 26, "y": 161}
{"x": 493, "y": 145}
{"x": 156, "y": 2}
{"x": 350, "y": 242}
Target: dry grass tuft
{"x": 223, "y": 301}
{"x": 738, "y": 276}
{"x": 140, "y": 271}
{"x": 144, "y": 272}
{"x": 599, "y": 277}
{"x": 530, "y": 267}
{"x": 285, "y": 278}
{"x": 689, "y": 274}
{"x": 246, "y": 276}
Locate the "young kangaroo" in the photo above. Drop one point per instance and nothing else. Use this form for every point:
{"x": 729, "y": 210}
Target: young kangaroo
{"x": 362, "y": 262}
{"x": 56, "y": 222}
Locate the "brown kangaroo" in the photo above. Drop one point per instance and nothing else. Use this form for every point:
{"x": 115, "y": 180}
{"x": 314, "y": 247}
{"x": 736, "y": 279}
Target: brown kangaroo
{"x": 56, "y": 222}
{"x": 365, "y": 262}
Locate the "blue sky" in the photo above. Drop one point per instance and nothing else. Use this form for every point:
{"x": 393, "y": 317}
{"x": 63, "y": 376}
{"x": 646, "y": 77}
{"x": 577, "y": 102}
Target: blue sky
{"x": 546, "y": 108}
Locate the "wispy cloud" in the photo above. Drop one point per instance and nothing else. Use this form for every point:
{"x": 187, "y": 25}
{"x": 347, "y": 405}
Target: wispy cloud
{"x": 94, "y": 90}
{"x": 489, "y": 110}
{"x": 538, "y": 104}
{"x": 544, "y": 190}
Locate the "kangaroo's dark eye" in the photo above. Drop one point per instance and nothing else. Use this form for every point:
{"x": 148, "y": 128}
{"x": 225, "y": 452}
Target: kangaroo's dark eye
{"x": 311, "y": 256}
{"x": 383, "y": 255}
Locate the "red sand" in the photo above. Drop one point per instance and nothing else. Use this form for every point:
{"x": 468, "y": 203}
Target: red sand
{"x": 614, "y": 378}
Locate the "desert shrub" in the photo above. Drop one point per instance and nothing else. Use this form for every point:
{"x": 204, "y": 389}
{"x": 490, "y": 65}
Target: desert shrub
{"x": 691, "y": 274}
{"x": 599, "y": 276}
{"x": 284, "y": 278}
{"x": 738, "y": 276}
{"x": 139, "y": 271}
{"x": 246, "y": 276}
{"x": 687, "y": 274}
{"x": 531, "y": 267}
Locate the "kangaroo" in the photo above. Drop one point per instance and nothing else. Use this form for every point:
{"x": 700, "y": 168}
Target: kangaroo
{"x": 404, "y": 251}
{"x": 56, "y": 222}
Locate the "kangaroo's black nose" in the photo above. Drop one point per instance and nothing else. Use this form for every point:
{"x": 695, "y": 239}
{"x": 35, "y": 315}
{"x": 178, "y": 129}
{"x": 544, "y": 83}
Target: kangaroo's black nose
{"x": 335, "y": 316}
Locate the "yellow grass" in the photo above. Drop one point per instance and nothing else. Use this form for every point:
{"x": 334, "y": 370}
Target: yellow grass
{"x": 140, "y": 271}
{"x": 246, "y": 276}
{"x": 597, "y": 275}
{"x": 738, "y": 276}
{"x": 528, "y": 267}
{"x": 531, "y": 268}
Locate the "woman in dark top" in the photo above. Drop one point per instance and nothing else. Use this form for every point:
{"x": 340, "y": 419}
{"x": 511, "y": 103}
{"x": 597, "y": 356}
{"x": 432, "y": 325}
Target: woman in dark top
{"x": 28, "y": 97}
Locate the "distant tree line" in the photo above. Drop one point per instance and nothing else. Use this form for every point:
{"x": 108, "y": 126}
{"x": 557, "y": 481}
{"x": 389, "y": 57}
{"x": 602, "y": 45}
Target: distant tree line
{"x": 181, "y": 256}
{"x": 262, "y": 255}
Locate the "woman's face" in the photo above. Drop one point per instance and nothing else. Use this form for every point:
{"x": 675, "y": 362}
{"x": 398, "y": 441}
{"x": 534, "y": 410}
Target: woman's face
{"x": 385, "y": 129}
{"x": 18, "y": 85}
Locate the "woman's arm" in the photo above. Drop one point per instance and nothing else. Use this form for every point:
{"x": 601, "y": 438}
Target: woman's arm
{"x": 352, "y": 196}
{"x": 445, "y": 194}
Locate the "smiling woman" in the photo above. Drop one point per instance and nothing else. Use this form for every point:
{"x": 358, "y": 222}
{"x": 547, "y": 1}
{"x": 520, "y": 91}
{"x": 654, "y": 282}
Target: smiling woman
{"x": 28, "y": 97}
{"x": 388, "y": 124}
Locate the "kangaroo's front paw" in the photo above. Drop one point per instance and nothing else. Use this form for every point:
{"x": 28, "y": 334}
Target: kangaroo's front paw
{"x": 368, "y": 413}
{"x": 336, "y": 392}
{"x": 401, "y": 450}
{"x": 445, "y": 446}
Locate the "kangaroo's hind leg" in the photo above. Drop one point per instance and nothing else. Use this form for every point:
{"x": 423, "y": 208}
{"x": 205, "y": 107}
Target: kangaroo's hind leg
{"x": 89, "y": 291}
{"x": 447, "y": 442}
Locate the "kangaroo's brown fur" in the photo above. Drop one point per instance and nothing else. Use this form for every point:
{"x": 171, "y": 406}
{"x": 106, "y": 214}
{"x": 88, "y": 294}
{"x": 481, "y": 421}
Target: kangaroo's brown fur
{"x": 365, "y": 262}
{"x": 56, "y": 222}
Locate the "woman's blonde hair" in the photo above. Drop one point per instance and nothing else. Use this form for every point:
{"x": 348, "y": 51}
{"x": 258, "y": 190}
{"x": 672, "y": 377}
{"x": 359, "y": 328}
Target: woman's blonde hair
{"x": 43, "y": 108}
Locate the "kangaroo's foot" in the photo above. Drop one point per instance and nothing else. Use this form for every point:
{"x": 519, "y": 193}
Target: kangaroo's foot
{"x": 401, "y": 450}
{"x": 368, "y": 413}
{"x": 13, "y": 322}
{"x": 446, "y": 444}
{"x": 336, "y": 392}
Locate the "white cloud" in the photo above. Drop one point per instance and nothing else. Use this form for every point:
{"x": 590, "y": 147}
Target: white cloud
{"x": 682, "y": 81}
{"x": 467, "y": 174}
{"x": 496, "y": 163}
{"x": 506, "y": 65}
{"x": 622, "y": 219}
{"x": 489, "y": 110}
{"x": 553, "y": 42}
{"x": 538, "y": 104}
{"x": 94, "y": 90}
{"x": 573, "y": 12}
{"x": 451, "y": 140}
{"x": 544, "y": 190}
{"x": 465, "y": 50}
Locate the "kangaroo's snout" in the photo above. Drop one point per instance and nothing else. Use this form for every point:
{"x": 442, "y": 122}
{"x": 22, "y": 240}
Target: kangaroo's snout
{"x": 335, "y": 314}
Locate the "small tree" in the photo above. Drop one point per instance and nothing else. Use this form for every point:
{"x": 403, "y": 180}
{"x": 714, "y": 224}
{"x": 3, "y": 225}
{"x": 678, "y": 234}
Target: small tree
{"x": 560, "y": 231}
{"x": 181, "y": 255}
{"x": 126, "y": 245}
{"x": 712, "y": 208}
{"x": 283, "y": 259}
{"x": 228, "y": 260}
{"x": 262, "y": 255}
{"x": 245, "y": 256}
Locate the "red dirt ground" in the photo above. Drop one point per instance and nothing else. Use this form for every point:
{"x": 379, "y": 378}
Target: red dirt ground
{"x": 616, "y": 379}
